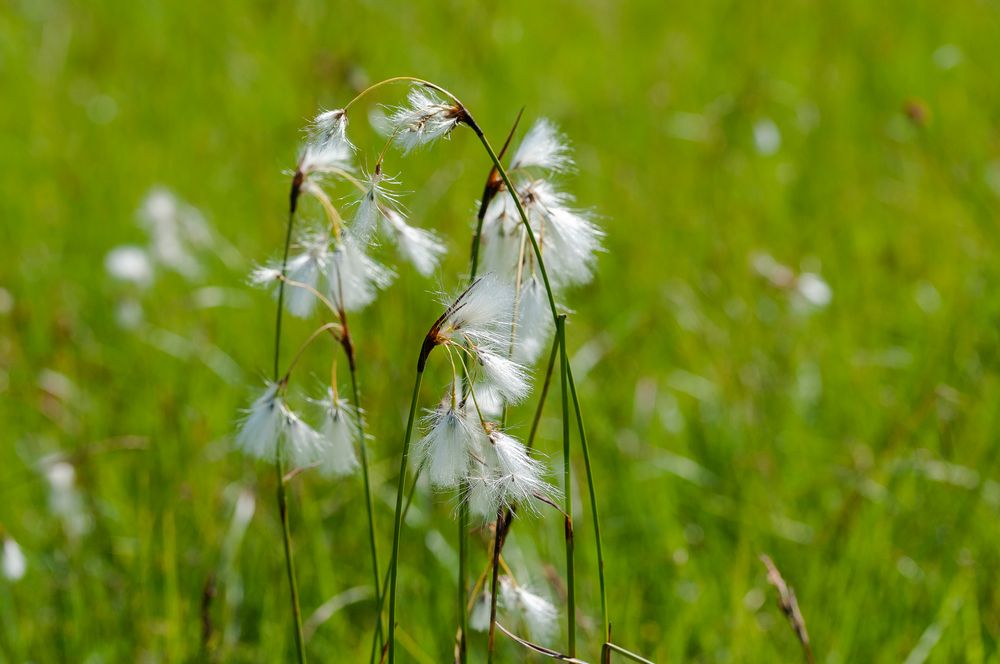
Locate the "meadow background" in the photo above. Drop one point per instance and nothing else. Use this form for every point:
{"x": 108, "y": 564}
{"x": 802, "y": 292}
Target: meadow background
{"x": 728, "y": 148}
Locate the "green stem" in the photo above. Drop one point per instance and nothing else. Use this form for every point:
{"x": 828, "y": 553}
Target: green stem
{"x": 279, "y": 462}
{"x": 625, "y": 653}
{"x": 404, "y": 460}
{"x": 568, "y": 506}
{"x": 545, "y": 391}
{"x": 494, "y": 582}
{"x": 463, "y": 618}
{"x": 380, "y": 601}
{"x": 593, "y": 503}
{"x": 520, "y": 211}
{"x": 369, "y": 501}
{"x": 289, "y": 562}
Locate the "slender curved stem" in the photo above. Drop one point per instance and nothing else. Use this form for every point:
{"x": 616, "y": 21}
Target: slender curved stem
{"x": 289, "y": 561}
{"x": 463, "y": 554}
{"x": 400, "y": 79}
{"x": 611, "y": 647}
{"x": 593, "y": 503}
{"x": 520, "y": 211}
{"x": 286, "y": 533}
{"x": 497, "y": 543}
{"x": 380, "y": 600}
{"x": 369, "y": 502}
{"x": 568, "y": 490}
{"x": 394, "y": 560}
{"x": 545, "y": 392}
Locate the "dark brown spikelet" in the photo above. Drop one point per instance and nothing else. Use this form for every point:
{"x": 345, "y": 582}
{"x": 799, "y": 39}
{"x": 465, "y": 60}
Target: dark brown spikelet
{"x": 789, "y": 605}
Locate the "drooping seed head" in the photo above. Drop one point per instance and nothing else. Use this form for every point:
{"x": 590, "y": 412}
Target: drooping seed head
{"x": 426, "y": 118}
{"x": 338, "y": 433}
{"x": 542, "y": 147}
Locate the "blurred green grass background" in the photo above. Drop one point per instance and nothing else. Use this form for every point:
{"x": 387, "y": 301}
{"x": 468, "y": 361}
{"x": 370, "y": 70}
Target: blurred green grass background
{"x": 856, "y": 443}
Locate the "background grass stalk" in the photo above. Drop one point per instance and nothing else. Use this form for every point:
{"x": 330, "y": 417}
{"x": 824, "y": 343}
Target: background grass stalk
{"x": 398, "y": 520}
{"x": 385, "y": 578}
{"x": 545, "y": 392}
{"x": 369, "y": 502}
{"x": 593, "y": 504}
{"x": 279, "y": 462}
{"x": 463, "y": 545}
{"x": 568, "y": 504}
{"x": 494, "y": 582}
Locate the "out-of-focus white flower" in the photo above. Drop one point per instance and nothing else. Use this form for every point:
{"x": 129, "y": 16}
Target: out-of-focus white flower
{"x": 766, "y": 137}
{"x": 479, "y": 620}
{"x": 780, "y": 276}
{"x": 339, "y": 431}
{"x": 447, "y": 445}
{"x": 318, "y": 158}
{"x": 13, "y": 564}
{"x": 420, "y": 247}
{"x": 542, "y": 147}
{"x": 129, "y": 263}
{"x": 269, "y": 421}
{"x": 814, "y": 289}
{"x": 537, "y": 613}
{"x": 303, "y": 444}
{"x": 354, "y": 277}
{"x": 569, "y": 240}
{"x": 306, "y": 267}
{"x": 64, "y": 498}
{"x": 176, "y": 231}
{"x": 426, "y": 119}
{"x": 259, "y": 432}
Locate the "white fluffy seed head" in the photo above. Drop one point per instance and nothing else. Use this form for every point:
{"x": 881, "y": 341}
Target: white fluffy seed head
{"x": 542, "y": 147}
{"x": 424, "y": 120}
{"x": 569, "y": 240}
{"x": 479, "y": 620}
{"x": 534, "y": 326}
{"x": 420, "y": 247}
{"x": 446, "y": 446}
{"x": 505, "y": 376}
{"x": 330, "y": 127}
{"x": 338, "y": 433}
{"x": 537, "y": 613}
{"x": 303, "y": 445}
{"x": 489, "y": 400}
{"x": 322, "y": 158}
{"x": 518, "y": 476}
{"x": 306, "y": 267}
{"x": 261, "y": 426}
{"x": 481, "y": 313}
{"x": 501, "y": 237}
{"x": 375, "y": 202}
{"x": 482, "y": 492}
{"x": 354, "y": 277}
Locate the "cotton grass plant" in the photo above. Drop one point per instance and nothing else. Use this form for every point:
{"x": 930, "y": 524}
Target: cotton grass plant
{"x": 531, "y": 244}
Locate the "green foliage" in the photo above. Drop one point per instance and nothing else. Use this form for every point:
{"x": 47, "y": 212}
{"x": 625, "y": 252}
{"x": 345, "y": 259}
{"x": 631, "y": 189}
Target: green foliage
{"x": 855, "y": 443}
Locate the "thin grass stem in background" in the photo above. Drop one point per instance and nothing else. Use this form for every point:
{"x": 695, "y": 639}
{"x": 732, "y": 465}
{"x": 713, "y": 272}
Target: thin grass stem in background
{"x": 282, "y": 496}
